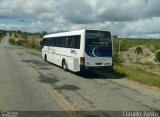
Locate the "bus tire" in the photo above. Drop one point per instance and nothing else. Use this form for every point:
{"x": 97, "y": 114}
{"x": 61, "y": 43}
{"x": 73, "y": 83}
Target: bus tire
{"x": 64, "y": 65}
{"x": 45, "y": 57}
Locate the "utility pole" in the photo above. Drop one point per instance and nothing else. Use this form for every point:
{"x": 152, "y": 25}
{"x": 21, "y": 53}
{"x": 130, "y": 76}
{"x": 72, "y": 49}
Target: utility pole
{"x": 119, "y": 52}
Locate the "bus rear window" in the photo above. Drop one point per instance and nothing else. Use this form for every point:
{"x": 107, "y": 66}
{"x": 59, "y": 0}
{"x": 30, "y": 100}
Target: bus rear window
{"x": 98, "y": 38}
{"x": 98, "y": 43}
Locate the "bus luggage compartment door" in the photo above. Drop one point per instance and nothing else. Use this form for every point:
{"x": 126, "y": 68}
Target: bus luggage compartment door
{"x": 73, "y": 64}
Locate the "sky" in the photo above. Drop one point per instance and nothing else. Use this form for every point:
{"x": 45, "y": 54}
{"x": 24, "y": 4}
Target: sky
{"x": 125, "y": 18}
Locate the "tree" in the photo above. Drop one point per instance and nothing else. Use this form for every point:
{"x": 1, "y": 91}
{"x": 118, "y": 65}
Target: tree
{"x": 12, "y": 41}
{"x": 24, "y": 35}
{"x": 158, "y": 56}
{"x": 22, "y": 42}
{"x": 18, "y": 31}
{"x": 32, "y": 44}
{"x": 2, "y": 33}
{"x": 43, "y": 33}
{"x": 138, "y": 51}
{"x": 115, "y": 36}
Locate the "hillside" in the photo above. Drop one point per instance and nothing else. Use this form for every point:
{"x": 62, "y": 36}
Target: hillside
{"x": 128, "y": 47}
{"x": 30, "y": 40}
{"x": 152, "y": 44}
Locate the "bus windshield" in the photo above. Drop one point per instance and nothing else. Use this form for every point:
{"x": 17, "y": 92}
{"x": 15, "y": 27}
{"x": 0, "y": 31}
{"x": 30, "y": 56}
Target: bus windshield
{"x": 98, "y": 43}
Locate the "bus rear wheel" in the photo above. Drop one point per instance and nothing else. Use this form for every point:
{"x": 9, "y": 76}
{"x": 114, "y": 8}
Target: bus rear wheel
{"x": 64, "y": 65}
{"x": 45, "y": 57}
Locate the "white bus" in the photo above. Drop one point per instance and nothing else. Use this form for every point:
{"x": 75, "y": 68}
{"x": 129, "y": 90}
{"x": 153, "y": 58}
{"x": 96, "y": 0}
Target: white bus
{"x": 79, "y": 50}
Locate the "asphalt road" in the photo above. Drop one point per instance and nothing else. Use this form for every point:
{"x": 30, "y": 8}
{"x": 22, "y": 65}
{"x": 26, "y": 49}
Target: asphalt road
{"x": 27, "y": 83}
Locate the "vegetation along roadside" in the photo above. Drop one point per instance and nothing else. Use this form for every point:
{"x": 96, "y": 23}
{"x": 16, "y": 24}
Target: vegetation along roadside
{"x": 2, "y": 34}
{"x": 28, "y": 40}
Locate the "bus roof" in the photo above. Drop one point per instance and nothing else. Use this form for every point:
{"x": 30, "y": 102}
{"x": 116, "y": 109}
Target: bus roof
{"x": 76, "y": 32}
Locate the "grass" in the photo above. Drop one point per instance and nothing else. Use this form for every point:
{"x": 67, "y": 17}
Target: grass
{"x": 25, "y": 44}
{"x": 36, "y": 48}
{"x": 139, "y": 75}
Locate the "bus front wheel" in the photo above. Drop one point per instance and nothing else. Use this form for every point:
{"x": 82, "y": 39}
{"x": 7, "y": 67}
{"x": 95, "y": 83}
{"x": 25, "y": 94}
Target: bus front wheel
{"x": 64, "y": 65}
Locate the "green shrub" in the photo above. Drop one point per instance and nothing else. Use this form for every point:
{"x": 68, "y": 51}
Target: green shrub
{"x": 38, "y": 46}
{"x": 12, "y": 41}
{"x": 115, "y": 49}
{"x": 24, "y": 36}
{"x": 2, "y": 33}
{"x": 158, "y": 56}
{"x": 115, "y": 58}
{"x": 22, "y": 42}
{"x": 32, "y": 44}
{"x": 139, "y": 50}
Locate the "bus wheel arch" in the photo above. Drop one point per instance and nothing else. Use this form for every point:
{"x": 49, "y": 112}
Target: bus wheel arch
{"x": 64, "y": 65}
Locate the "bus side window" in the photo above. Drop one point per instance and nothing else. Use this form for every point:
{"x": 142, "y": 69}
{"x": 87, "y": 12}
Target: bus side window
{"x": 63, "y": 41}
{"x": 73, "y": 42}
{"x": 59, "y": 44}
{"x": 50, "y": 42}
{"x": 44, "y": 42}
{"x": 53, "y": 42}
{"x": 70, "y": 42}
{"x": 77, "y": 42}
{"x": 66, "y": 42}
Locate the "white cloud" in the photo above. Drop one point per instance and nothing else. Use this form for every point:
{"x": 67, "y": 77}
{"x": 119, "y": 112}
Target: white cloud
{"x": 143, "y": 26}
{"x": 124, "y": 18}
